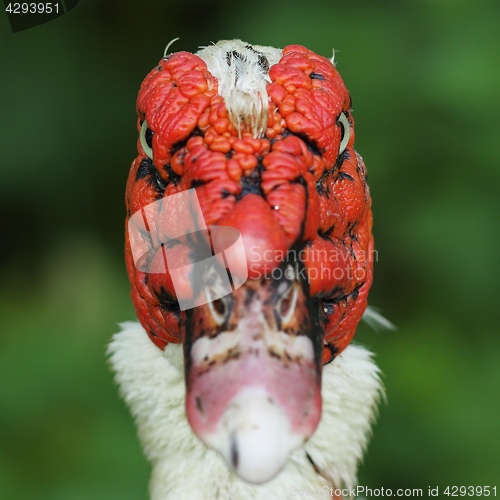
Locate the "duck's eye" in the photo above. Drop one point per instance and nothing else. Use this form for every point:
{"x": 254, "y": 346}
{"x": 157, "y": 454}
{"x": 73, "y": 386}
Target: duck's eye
{"x": 147, "y": 139}
{"x": 286, "y": 305}
{"x": 346, "y": 132}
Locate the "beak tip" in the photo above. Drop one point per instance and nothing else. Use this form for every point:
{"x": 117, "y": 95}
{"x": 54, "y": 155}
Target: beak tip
{"x": 255, "y": 436}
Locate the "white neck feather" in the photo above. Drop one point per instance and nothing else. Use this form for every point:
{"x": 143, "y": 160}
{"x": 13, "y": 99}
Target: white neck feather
{"x": 152, "y": 383}
{"x": 243, "y": 73}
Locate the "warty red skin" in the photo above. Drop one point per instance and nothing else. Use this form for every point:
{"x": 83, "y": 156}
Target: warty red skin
{"x": 281, "y": 191}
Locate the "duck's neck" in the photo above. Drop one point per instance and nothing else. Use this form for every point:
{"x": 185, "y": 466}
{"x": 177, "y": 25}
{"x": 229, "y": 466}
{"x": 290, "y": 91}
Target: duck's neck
{"x": 152, "y": 383}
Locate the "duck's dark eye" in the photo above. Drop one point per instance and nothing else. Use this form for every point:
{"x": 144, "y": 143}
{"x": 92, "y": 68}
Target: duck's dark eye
{"x": 146, "y": 138}
{"x": 346, "y": 132}
{"x": 149, "y": 137}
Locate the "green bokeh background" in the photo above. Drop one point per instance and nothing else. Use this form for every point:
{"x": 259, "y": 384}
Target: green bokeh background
{"x": 424, "y": 76}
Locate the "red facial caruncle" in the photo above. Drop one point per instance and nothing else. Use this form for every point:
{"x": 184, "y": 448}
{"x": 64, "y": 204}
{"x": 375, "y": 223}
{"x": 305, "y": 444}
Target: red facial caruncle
{"x": 272, "y": 157}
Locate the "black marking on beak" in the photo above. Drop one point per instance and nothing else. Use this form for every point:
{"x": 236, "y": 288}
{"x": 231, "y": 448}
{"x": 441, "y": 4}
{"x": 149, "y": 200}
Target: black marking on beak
{"x": 234, "y": 451}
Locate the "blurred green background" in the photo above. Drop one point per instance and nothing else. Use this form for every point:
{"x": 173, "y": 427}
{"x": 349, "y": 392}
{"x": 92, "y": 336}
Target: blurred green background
{"x": 424, "y": 76}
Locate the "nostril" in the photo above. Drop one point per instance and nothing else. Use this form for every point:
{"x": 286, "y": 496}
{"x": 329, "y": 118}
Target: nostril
{"x": 234, "y": 451}
{"x": 199, "y": 405}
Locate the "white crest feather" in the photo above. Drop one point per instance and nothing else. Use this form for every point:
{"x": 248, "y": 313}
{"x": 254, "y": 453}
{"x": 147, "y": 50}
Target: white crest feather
{"x": 376, "y": 320}
{"x": 243, "y": 73}
{"x": 332, "y": 59}
{"x": 169, "y": 44}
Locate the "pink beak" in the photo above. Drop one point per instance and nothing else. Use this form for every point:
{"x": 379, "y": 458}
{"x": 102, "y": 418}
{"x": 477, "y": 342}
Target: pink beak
{"x": 253, "y": 390}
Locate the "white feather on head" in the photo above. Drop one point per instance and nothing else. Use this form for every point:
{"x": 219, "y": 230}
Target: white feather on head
{"x": 243, "y": 73}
